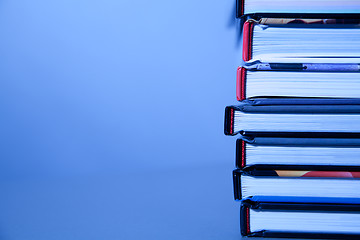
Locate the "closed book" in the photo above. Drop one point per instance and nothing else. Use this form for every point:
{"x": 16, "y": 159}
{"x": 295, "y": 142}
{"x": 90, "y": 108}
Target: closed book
{"x": 296, "y": 182}
{"x": 281, "y": 115}
{"x": 305, "y": 152}
{"x": 298, "y": 80}
{"x": 325, "y": 218}
{"x": 306, "y": 43}
{"x": 293, "y": 7}
{"x": 303, "y": 19}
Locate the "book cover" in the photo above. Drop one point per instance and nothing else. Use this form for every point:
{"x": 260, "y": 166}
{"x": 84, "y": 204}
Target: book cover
{"x": 312, "y": 43}
{"x": 276, "y": 116}
{"x": 300, "y": 217}
{"x": 296, "y": 151}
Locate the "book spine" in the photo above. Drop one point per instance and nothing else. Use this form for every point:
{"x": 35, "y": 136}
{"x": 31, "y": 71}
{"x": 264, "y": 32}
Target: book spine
{"x": 240, "y": 83}
{"x": 240, "y": 153}
{"x": 245, "y": 220}
{"x": 229, "y": 121}
{"x": 239, "y": 8}
{"x": 247, "y": 40}
{"x": 237, "y": 185}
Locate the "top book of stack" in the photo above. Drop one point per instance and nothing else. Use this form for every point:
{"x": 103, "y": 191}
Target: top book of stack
{"x": 299, "y": 9}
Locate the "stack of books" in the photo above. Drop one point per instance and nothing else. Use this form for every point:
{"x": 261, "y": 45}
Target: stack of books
{"x": 298, "y": 117}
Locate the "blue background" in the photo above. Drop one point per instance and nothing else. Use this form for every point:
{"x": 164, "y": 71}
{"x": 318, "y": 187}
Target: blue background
{"x": 111, "y": 120}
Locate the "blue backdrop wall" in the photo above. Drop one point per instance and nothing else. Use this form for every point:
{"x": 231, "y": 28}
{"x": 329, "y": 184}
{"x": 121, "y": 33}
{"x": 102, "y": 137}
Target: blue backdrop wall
{"x": 112, "y": 119}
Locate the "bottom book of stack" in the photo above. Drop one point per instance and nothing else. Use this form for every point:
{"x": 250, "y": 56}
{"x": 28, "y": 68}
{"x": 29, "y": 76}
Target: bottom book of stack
{"x": 300, "y": 217}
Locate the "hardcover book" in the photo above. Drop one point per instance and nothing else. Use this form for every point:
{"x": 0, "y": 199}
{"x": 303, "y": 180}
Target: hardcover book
{"x": 324, "y": 218}
{"x": 296, "y": 182}
{"x": 279, "y": 115}
{"x": 305, "y": 43}
{"x": 298, "y": 80}
{"x": 314, "y": 7}
{"x": 282, "y": 152}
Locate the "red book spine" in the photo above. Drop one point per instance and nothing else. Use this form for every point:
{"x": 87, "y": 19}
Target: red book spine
{"x": 241, "y": 7}
{"x": 242, "y": 154}
{"x": 247, "y": 40}
{"x": 240, "y": 83}
{"x": 245, "y": 220}
{"x": 232, "y": 121}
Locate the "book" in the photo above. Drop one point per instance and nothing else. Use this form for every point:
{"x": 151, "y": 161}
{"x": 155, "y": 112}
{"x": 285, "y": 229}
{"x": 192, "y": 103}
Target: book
{"x": 304, "y": 43}
{"x": 281, "y": 115}
{"x": 281, "y": 20}
{"x": 298, "y": 80}
{"x": 297, "y": 7}
{"x": 291, "y": 217}
{"x": 296, "y": 183}
{"x": 305, "y": 153}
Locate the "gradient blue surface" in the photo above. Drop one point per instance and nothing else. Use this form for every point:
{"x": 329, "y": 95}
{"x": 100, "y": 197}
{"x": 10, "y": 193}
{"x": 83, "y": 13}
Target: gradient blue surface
{"x": 112, "y": 119}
